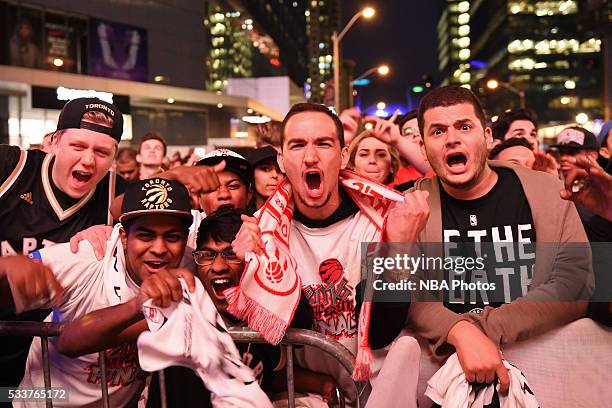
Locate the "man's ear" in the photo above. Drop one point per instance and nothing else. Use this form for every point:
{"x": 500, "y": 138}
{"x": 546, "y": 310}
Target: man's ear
{"x": 281, "y": 161}
{"x": 604, "y": 152}
{"x": 138, "y": 159}
{"x": 489, "y": 137}
{"x": 592, "y": 154}
{"x": 344, "y": 154}
{"x": 54, "y": 144}
{"x": 123, "y": 237}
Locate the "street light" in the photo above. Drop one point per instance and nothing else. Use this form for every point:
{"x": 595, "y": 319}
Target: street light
{"x": 494, "y": 84}
{"x": 382, "y": 70}
{"x": 367, "y": 12}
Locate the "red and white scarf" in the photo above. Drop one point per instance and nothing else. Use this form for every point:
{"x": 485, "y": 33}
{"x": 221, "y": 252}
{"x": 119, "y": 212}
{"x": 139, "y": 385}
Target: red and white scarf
{"x": 270, "y": 287}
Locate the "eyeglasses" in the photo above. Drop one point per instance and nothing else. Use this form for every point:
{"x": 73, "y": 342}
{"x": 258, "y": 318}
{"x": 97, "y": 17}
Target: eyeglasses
{"x": 207, "y": 257}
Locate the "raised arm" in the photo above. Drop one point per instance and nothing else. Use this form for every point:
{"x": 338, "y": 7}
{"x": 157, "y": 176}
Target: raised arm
{"x": 123, "y": 323}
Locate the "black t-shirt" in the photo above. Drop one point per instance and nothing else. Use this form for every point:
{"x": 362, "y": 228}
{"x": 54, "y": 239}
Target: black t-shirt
{"x": 502, "y": 215}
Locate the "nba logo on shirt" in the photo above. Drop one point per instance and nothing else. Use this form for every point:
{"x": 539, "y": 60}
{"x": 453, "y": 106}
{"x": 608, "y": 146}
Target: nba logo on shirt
{"x": 473, "y": 220}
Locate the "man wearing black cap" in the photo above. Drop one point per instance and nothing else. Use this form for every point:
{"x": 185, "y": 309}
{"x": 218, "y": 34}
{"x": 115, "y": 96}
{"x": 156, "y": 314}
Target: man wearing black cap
{"x": 574, "y": 143}
{"x": 140, "y": 264}
{"x": 234, "y": 181}
{"x": 47, "y": 198}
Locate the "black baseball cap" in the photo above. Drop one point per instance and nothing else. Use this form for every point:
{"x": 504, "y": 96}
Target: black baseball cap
{"x": 256, "y": 156}
{"x": 155, "y": 196}
{"x": 576, "y": 138}
{"x": 73, "y": 111}
{"x": 233, "y": 162}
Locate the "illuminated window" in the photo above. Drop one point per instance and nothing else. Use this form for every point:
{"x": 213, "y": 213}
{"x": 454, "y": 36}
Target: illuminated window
{"x": 463, "y": 18}
{"x": 550, "y": 8}
{"x": 465, "y": 77}
{"x": 463, "y": 7}
{"x": 464, "y": 42}
{"x": 464, "y": 30}
{"x": 464, "y": 54}
{"x": 515, "y": 46}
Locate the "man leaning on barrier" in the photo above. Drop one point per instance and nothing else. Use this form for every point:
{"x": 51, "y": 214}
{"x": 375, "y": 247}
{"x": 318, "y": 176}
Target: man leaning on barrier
{"x": 140, "y": 265}
{"x": 472, "y": 200}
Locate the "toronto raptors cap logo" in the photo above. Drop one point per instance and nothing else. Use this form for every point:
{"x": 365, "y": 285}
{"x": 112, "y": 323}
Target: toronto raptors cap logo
{"x": 156, "y": 194}
{"x": 331, "y": 270}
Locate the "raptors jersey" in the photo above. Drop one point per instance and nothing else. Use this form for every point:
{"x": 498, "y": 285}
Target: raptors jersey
{"x": 88, "y": 285}
{"x": 34, "y": 213}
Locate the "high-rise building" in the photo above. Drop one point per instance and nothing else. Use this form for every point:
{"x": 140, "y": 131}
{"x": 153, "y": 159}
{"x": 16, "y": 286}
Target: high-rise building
{"x": 454, "y": 43}
{"x": 322, "y": 19}
{"x": 537, "y": 48}
{"x": 251, "y": 38}
{"x": 239, "y": 48}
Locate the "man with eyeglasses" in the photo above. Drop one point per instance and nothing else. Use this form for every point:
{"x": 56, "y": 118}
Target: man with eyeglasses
{"x": 219, "y": 269}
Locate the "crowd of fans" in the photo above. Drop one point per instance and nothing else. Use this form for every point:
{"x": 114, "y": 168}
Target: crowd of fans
{"x": 177, "y": 249}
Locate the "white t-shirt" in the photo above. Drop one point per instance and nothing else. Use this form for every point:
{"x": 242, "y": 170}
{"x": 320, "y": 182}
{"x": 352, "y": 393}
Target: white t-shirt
{"x": 88, "y": 285}
{"x": 329, "y": 264}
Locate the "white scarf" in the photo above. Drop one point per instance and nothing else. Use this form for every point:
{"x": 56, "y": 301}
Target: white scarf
{"x": 270, "y": 287}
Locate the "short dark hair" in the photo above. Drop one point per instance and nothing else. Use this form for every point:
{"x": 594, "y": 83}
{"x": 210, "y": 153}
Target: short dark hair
{"x": 312, "y": 107}
{"x": 220, "y": 225}
{"x": 500, "y": 128}
{"x": 402, "y": 119}
{"x": 448, "y": 96}
{"x": 152, "y": 136}
{"x": 126, "y": 155}
{"x": 506, "y": 144}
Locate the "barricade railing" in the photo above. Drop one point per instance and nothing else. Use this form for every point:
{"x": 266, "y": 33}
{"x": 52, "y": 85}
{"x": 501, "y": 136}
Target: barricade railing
{"x": 293, "y": 337}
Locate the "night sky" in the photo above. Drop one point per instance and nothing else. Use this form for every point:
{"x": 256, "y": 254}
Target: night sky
{"x": 403, "y": 35}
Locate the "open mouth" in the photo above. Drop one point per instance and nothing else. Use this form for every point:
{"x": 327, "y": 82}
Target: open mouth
{"x": 313, "y": 183}
{"x": 456, "y": 161}
{"x": 219, "y": 285}
{"x": 155, "y": 266}
{"x": 81, "y": 176}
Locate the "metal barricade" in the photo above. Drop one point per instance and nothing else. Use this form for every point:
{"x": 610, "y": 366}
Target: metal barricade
{"x": 301, "y": 337}
{"x": 293, "y": 337}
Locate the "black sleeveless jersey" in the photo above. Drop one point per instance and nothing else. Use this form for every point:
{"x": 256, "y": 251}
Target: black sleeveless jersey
{"x": 33, "y": 212}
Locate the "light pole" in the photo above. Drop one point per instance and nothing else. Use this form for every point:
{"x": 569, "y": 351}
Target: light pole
{"x": 494, "y": 84}
{"x": 367, "y": 12}
{"x": 383, "y": 70}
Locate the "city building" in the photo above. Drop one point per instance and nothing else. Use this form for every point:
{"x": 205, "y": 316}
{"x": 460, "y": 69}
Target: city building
{"x": 322, "y": 19}
{"x": 454, "y": 43}
{"x": 149, "y": 57}
{"x": 538, "y": 51}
